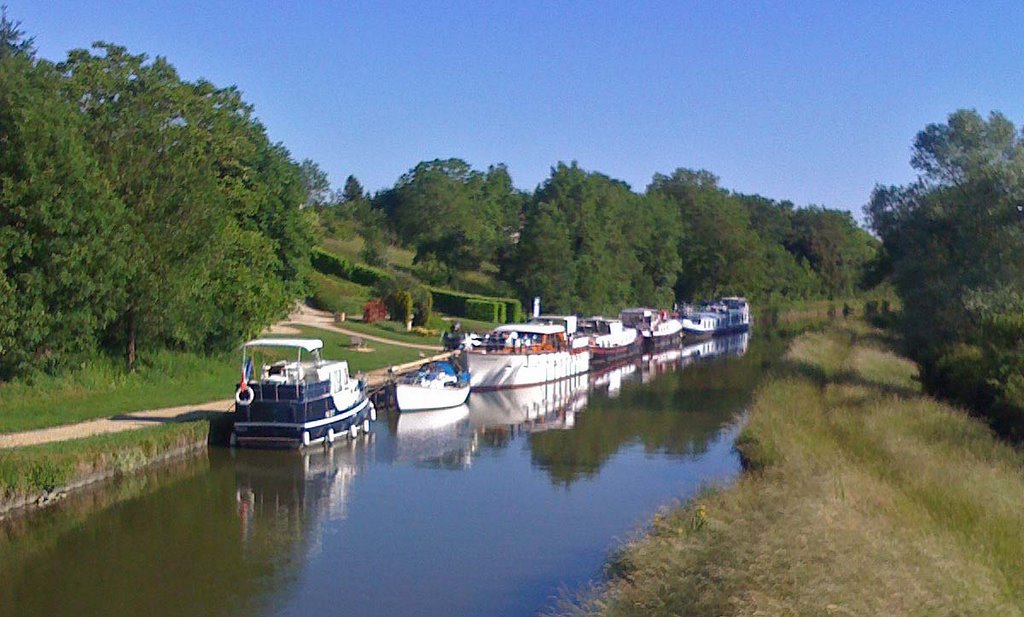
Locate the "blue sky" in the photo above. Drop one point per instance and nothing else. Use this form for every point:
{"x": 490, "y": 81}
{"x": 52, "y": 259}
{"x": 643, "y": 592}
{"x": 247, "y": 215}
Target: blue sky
{"x": 815, "y": 102}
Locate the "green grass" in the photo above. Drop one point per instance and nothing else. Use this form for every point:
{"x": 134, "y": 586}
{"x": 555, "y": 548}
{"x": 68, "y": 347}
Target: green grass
{"x": 29, "y": 470}
{"x": 102, "y": 388}
{"x": 863, "y": 497}
{"x": 349, "y": 248}
{"x": 391, "y": 330}
{"x": 338, "y": 347}
{"x": 337, "y": 295}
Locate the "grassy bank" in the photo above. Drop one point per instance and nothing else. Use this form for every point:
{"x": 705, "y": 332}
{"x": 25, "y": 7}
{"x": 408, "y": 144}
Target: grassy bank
{"x": 862, "y": 497}
{"x": 31, "y": 471}
{"x": 102, "y": 388}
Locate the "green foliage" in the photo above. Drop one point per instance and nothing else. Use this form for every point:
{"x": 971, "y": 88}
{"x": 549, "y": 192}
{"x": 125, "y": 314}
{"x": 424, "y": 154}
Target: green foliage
{"x": 329, "y": 263}
{"x": 62, "y": 232}
{"x": 456, "y": 304}
{"x": 400, "y": 305}
{"x": 336, "y": 295}
{"x": 485, "y": 310}
{"x": 954, "y": 242}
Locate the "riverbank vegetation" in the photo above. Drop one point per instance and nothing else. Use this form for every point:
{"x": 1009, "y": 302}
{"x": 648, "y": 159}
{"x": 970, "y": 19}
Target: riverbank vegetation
{"x": 30, "y": 472}
{"x": 954, "y": 247}
{"x": 102, "y": 388}
{"x": 862, "y": 497}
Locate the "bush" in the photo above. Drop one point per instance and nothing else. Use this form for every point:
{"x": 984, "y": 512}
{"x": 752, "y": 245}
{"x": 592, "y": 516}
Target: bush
{"x": 484, "y": 310}
{"x": 455, "y": 303}
{"x": 375, "y": 310}
{"x": 329, "y": 263}
{"x": 400, "y": 305}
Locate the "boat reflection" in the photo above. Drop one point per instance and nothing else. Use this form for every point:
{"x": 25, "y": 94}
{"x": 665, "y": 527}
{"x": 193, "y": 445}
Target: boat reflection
{"x": 609, "y": 381}
{"x": 440, "y": 437}
{"x": 731, "y": 345}
{"x": 537, "y": 408}
{"x": 287, "y": 490}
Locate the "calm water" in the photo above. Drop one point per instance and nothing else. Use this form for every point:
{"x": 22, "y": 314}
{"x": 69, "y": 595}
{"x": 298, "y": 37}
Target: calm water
{"x": 494, "y": 508}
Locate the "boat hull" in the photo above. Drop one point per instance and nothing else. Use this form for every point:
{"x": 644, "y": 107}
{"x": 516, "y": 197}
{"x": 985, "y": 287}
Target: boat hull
{"x": 698, "y": 332}
{"x": 411, "y": 397}
{"x": 501, "y": 370}
{"x": 280, "y": 425}
{"x": 601, "y": 357}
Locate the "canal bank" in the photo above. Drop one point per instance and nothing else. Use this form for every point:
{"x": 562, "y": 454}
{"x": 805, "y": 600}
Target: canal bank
{"x": 861, "y": 496}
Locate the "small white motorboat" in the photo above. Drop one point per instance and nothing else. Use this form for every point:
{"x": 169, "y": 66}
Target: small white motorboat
{"x": 436, "y": 385}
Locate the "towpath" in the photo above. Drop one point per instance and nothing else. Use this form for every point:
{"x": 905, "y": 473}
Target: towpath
{"x": 303, "y": 315}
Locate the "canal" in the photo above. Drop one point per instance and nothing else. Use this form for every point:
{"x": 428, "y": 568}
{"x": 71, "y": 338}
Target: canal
{"x": 496, "y": 508}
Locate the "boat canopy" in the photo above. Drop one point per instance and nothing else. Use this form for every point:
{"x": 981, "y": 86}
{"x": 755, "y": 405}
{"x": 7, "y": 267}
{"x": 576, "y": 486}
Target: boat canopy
{"x": 531, "y": 328}
{"x": 308, "y": 344}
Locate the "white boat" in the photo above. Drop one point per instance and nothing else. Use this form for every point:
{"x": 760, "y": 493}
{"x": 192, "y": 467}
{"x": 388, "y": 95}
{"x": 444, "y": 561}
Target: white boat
{"x": 297, "y": 402}
{"x": 518, "y": 355}
{"x": 436, "y": 385}
{"x": 724, "y": 316}
{"x": 657, "y": 327}
{"x": 610, "y": 340}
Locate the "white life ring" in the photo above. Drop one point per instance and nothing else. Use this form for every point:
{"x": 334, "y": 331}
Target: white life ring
{"x": 238, "y": 396}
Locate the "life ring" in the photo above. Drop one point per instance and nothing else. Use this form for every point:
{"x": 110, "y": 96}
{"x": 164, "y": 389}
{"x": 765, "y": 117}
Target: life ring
{"x": 238, "y": 396}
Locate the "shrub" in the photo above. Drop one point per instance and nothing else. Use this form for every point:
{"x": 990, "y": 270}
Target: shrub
{"x": 455, "y": 303}
{"x": 484, "y": 310}
{"x": 329, "y": 263}
{"x": 400, "y": 305}
{"x": 375, "y": 310}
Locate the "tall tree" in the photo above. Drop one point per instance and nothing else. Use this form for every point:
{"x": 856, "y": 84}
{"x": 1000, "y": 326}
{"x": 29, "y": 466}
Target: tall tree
{"x": 13, "y": 41}
{"x": 62, "y": 232}
{"x": 318, "y": 186}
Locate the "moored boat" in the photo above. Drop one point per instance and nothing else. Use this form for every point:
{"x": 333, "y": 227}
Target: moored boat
{"x": 518, "y": 355}
{"x": 658, "y": 329}
{"x": 436, "y": 385}
{"x": 724, "y": 316}
{"x": 297, "y": 402}
{"x": 610, "y": 341}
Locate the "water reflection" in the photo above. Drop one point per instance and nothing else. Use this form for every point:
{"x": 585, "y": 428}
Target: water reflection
{"x": 266, "y": 533}
{"x": 437, "y": 438}
{"x": 281, "y": 492}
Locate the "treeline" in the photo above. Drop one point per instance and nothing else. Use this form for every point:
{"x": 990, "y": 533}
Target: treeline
{"x": 137, "y": 210}
{"x": 954, "y": 245}
{"x": 586, "y": 242}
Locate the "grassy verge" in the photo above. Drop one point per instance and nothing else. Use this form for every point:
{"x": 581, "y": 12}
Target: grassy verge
{"x": 337, "y": 295}
{"x": 862, "y": 497}
{"x": 392, "y": 330}
{"x": 102, "y": 388}
{"x": 26, "y": 472}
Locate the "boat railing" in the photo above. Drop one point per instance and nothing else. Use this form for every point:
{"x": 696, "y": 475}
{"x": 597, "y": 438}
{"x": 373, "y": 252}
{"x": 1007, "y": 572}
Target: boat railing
{"x": 267, "y": 391}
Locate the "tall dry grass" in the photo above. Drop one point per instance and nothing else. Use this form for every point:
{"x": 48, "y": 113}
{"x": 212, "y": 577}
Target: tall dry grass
{"x": 862, "y": 497}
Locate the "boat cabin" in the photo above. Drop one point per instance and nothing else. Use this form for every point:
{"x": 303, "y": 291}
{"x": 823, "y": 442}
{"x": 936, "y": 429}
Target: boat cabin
{"x": 601, "y": 326}
{"x": 526, "y": 338}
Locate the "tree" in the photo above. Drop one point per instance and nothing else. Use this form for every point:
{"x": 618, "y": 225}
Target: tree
{"x": 316, "y": 183}
{"x": 13, "y": 41}
{"x": 353, "y": 191}
{"x": 62, "y": 231}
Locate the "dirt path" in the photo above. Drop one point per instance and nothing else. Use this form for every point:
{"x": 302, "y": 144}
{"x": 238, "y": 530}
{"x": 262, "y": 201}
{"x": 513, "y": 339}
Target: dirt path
{"x": 306, "y": 316}
{"x": 303, "y": 315}
{"x": 120, "y": 422}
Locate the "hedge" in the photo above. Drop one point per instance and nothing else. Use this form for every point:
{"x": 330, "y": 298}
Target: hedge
{"x": 329, "y": 263}
{"x": 484, "y": 310}
{"x": 456, "y": 303}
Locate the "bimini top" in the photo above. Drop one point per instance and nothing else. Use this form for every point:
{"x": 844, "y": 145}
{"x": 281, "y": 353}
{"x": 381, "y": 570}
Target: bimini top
{"x": 308, "y": 344}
